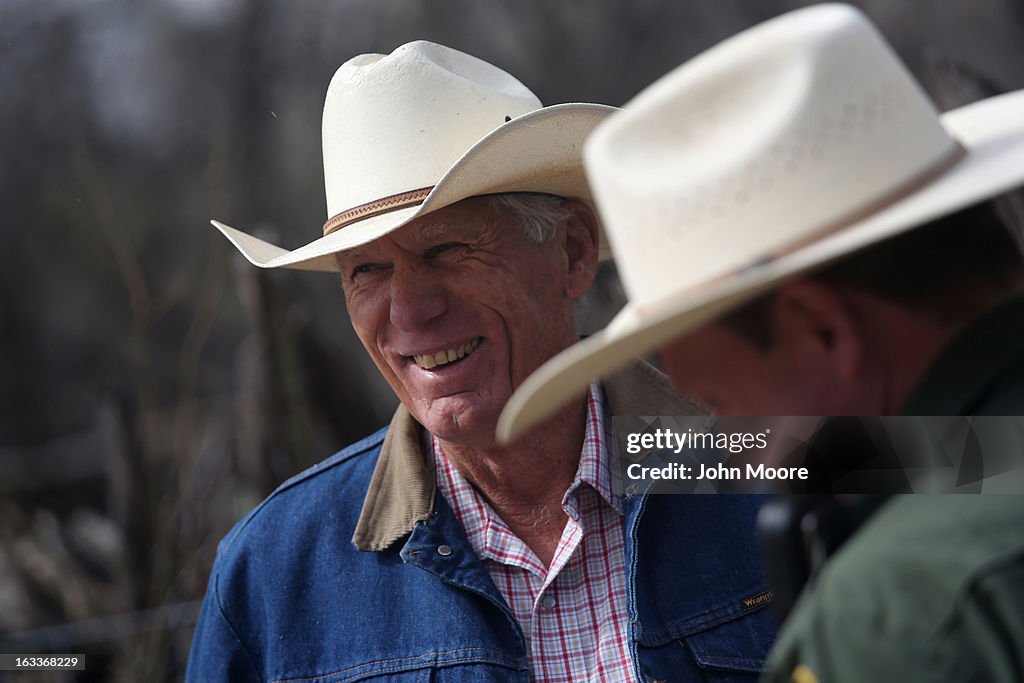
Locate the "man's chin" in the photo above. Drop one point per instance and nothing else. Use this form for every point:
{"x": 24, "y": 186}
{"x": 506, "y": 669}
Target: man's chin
{"x": 462, "y": 420}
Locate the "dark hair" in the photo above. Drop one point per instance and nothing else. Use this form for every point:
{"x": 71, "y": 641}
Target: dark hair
{"x": 946, "y": 269}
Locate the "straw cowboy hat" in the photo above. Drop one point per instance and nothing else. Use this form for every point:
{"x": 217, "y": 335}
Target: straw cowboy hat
{"x": 424, "y": 127}
{"x": 776, "y": 152}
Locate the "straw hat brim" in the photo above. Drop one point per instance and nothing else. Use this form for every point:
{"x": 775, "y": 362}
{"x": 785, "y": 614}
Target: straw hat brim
{"x": 992, "y": 133}
{"x": 540, "y": 151}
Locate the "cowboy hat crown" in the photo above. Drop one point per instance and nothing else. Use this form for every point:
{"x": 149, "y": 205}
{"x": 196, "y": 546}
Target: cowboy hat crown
{"x": 421, "y": 128}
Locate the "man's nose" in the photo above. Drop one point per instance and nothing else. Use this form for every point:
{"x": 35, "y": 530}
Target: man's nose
{"x": 417, "y": 297}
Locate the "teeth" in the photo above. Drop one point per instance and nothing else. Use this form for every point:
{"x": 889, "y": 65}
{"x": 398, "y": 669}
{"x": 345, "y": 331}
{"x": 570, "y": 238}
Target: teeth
{"x": 428, "y": 361}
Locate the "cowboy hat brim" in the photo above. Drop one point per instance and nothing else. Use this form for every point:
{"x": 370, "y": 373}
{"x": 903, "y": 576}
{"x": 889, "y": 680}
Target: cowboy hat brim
{"x": 992, "y": 133}
{"x": 540, "y": 151}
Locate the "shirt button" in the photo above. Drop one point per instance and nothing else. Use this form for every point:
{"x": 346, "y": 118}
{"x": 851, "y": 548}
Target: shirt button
{"x": 444, "y": 550}
{"x": 548, "y": 601}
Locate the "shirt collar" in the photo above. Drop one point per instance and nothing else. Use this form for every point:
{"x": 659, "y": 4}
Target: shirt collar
{"x": 595, "y": 461}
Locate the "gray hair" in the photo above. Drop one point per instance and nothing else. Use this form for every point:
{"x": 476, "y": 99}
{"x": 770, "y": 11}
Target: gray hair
{"x": 539, "y": 214}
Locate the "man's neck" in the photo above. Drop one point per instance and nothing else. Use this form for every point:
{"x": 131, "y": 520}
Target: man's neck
{"x": 908, "y": 362}
{"x": 910, "y": 343}
{"x": 526, "y": 481}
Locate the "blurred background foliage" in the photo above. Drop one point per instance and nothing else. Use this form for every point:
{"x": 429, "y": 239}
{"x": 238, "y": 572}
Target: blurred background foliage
{"x": 153, "y": 386}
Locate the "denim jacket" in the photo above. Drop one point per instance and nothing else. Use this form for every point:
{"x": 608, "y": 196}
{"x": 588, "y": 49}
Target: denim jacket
{"x": 313, "y": 586}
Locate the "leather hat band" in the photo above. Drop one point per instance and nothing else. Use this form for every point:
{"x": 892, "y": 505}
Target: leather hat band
{"x": 376, "y": 207}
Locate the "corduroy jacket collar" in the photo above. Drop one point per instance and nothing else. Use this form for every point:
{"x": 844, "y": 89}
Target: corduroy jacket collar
{"x": 402, "y": 489}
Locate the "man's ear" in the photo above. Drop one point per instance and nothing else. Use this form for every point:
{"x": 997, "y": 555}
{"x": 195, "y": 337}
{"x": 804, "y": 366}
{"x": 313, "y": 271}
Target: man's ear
{"x": 813, "y": 321}
{"x": 580, "y": 241}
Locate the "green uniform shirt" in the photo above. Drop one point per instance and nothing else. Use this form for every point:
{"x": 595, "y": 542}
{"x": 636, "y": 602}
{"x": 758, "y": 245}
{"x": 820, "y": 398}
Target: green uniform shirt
{"x": 932, "y": 587}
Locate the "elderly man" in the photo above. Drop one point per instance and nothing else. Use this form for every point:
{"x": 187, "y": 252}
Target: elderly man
{"x": 799, "y": 173}
{"x": 428, "y": 550}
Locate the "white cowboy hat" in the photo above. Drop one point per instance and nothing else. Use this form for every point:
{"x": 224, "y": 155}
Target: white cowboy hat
{"x": 424, "y": 127}
{"x": 783, "y": 148}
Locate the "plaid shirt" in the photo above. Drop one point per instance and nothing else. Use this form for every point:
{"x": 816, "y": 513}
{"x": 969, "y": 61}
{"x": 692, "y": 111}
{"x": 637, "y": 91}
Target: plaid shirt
{"x": 572, "y": 613}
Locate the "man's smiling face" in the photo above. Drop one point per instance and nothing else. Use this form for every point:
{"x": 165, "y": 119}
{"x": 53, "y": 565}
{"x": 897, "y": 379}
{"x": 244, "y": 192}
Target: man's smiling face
{"x": 457, "y": 308}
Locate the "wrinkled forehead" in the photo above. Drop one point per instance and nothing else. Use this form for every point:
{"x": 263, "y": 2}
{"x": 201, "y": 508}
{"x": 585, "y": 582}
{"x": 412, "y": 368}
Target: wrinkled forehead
{"x": 473, "y": 217}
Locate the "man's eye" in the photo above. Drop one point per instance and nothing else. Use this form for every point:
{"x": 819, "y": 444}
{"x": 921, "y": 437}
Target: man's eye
{"x": 445, "y": 248}
{"x": 365, "y": 268}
